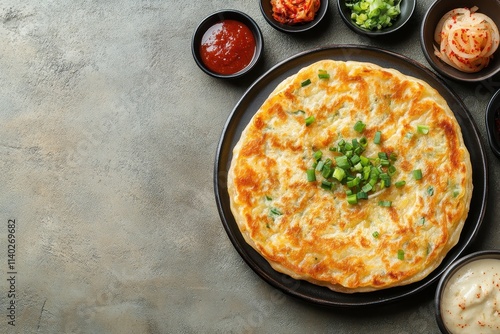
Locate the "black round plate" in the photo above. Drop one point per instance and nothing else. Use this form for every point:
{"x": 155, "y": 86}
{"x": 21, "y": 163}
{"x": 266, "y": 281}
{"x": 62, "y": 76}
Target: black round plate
{"x": 250, "y": 103}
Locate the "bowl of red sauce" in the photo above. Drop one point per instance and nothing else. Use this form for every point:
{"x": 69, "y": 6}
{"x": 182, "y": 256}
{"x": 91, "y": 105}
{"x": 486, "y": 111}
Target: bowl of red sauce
{"x": 227, "y": 44}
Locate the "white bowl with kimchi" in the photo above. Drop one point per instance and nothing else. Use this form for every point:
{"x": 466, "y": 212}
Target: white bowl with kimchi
{"x": 460, "y": 39}
{"x": 293, "y": 16}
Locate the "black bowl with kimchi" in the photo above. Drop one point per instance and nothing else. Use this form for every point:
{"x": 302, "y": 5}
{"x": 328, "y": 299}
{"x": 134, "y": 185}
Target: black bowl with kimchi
{"x": 285, "y": 16}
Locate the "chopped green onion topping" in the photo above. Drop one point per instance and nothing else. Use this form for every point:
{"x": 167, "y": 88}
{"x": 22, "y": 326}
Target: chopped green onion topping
{"x": 363, "y": 142}
{"x": 359, "y": 126}
{"x": 323, "y": 74}
{"x": 310, "y": 120}
{"x": 339, "y": 173}
{"x": 423, "y": 129}
{"x": 311, "y": 175}
{"x": 421, "y": 221}
{"x": 378, "y": 137}
{"x": 367, "y": 188}
{"x": 305, "y": 82}
{"x": 320, "y": 165}
{"x": 352, "y": 199}
{"x": 354, "y": 182}
{"x": 275, "y": 212}
{"x": 343, "y": 162}
{"x": 385, "y": 204}
{"x": 362, "y": 195}
{"x": 375, "y": 234}
{"x": 383, "y": 155}
{"x": 326, "y": 184}
{"x": 391, "y": 170}
{"x": 400, "y": 184}
{"x": 385, "y": 162}
{"x": 355, "y": 159}
{"x": 317, "y": 155}
{"x": 358, "y": 173}
{"x": 417, "y": 174}
{"x": 401, "y": 254}
{"x": 385, "y": 182}
{"x": 327, "y": 171}
{"x": 364, "y": 160}
{"x": 430, "y": 191}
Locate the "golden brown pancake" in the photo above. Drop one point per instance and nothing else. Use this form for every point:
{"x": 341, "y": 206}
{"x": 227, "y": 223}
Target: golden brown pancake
{"x": 403, "y": 229}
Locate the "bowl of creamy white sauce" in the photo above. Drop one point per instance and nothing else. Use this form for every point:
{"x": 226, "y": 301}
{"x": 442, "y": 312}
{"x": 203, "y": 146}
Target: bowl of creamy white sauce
{"x": 468, "y": 295}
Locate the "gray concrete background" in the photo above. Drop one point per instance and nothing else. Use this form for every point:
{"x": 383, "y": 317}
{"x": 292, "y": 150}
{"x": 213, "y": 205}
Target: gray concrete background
{"x": 108, "y": 134}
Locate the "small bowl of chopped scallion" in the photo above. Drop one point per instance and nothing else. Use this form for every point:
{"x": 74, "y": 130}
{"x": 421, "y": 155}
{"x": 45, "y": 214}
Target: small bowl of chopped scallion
{"x": 376, "y": 17}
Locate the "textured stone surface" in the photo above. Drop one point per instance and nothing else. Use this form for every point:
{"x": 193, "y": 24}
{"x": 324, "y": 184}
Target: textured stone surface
{"x": 108, "y": 133}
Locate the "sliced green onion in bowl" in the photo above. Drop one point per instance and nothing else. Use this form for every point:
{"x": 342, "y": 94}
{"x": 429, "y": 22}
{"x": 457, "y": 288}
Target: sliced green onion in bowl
{"x": 374, "y": 14}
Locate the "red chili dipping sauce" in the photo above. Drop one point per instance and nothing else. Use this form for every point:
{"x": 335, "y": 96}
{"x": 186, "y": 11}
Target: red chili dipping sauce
{"x": 227, "y": 47}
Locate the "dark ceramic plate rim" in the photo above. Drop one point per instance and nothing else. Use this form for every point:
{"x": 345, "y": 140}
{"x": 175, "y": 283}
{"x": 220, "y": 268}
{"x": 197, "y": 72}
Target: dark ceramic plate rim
{"x": 246, "y": 108}
{"x": 491, "y": 111}
{"x": 398, "y": 24}
{"x": 266, "y": 11}
{"x": 479, "y": 255}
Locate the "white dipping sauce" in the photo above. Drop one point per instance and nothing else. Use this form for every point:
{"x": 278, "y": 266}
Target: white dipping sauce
{"x": 470, "y": 302}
